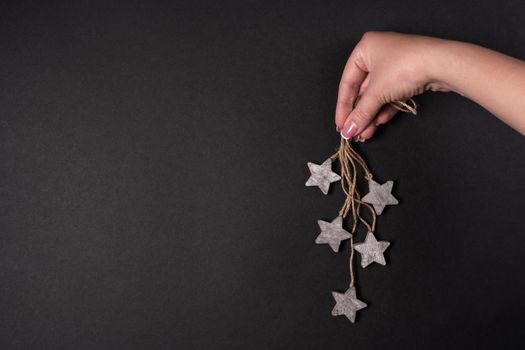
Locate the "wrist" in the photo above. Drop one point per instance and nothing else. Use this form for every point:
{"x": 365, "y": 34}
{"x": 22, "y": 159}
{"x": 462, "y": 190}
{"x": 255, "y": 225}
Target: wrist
{"x": 440, "y": 59}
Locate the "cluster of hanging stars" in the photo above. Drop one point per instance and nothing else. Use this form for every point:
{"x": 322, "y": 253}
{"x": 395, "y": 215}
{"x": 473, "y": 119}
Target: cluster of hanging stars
{"x": 333, "y": 233}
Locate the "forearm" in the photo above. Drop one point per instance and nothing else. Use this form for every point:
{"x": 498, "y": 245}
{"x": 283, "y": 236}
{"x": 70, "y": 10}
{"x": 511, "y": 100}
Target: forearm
{"x": 491, "y": 79}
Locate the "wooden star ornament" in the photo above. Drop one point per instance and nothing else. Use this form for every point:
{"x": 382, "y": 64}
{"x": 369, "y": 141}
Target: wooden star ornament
{"x": 347, "y": 304}
{"x": 380, "y": 195}
{"x": 322, "y": 175}
{"x": 332, "y": 233}
{"x": 372, "y": 250}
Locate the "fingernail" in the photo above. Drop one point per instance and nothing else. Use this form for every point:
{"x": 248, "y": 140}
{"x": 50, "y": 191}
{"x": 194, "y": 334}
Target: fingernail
{"x": 350, "y": 131}
{"x": 337, "y": 128}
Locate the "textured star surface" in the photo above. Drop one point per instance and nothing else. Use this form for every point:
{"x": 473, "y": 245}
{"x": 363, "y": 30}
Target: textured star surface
{"x": 332, "y": 233}
{"x": 380, "y": 195}
{"x": 322, "y": 175}
{"x": 347, "y": 304}
{"x": 372, "y": 250}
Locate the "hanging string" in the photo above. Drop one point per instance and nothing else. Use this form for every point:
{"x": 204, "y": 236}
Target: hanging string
{"x": 348, "y": 160}
{"x": 410, "y": 107}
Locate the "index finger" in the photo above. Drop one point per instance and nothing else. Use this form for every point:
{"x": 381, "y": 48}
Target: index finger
{"x": 351, "y": 80}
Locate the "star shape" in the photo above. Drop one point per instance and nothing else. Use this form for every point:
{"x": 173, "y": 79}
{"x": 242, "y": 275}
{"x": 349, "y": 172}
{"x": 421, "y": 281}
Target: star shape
{"x": 322, "y": 175}
{"x": 347, "y": 304}
{"x": 380, "y": 195}
{"x": 332, "y": 233}
{"x": 371, "y": 250}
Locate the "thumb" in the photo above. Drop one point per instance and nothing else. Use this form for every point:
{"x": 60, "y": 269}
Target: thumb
{"x": 362, "y": 115}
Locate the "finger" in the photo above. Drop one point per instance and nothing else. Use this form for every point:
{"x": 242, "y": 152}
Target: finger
{"x": 351, "y": 80}
{"x": 362, "y": 115}
{"x": 387, "y": 112}
{"x": 364, "y": 85}
{"x": 367, "y": 133}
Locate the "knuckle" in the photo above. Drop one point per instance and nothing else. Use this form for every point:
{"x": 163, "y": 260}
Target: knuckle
{"x": 369, "y": 35}
{"x": 348, "y": 84}
{"x": 382, "y": 99}
{"x": 376, "y": 93}
{"x": 360, "y": 117}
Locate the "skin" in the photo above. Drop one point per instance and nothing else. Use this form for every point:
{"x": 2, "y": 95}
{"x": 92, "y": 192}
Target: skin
{"x": 386, "y": 67}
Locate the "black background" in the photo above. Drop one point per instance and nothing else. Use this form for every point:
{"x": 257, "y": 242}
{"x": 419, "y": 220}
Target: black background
{"x": 152, "y": 168}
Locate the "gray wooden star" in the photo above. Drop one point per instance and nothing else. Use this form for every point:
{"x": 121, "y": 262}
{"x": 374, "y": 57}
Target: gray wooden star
{"x": 380, "y": 195}
{"x": 332, "y": 233}
{"x": 347, "y": 304}
{"x": 322, "y": 175}
{"x": 371, "y": 250}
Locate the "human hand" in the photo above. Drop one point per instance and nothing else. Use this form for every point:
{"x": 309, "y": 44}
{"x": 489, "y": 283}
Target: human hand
{"x": 384, "y": 67}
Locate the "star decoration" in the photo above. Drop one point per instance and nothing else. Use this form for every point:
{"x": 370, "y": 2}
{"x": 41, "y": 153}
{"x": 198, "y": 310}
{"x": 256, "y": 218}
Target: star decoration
{"x": 372, "y": 250}
{"x": 322, "y": 175}
{"x": 380, "y": 195}
{"x": 347, "y": 304}
{"x": 332, "y": 233}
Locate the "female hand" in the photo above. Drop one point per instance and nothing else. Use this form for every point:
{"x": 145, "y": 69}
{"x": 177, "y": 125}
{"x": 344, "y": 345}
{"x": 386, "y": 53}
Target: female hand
{"x": 384, "y": 67}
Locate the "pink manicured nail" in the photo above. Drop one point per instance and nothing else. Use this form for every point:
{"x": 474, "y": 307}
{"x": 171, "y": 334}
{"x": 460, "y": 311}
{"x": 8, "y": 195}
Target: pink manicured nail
{"x": 350, "y": 131}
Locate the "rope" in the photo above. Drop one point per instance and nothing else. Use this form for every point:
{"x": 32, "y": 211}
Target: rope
{"x": 349, "y": 159}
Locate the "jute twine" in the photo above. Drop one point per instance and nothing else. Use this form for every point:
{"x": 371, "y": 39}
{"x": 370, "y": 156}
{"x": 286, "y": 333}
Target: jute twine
{"x": 349, "y": 161}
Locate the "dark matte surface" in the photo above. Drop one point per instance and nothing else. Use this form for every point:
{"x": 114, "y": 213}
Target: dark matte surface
{"x": 153, "y": 160}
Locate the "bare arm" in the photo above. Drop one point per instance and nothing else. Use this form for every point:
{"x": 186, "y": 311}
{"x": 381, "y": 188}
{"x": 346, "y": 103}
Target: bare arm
{"x": 493, "y": 80}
